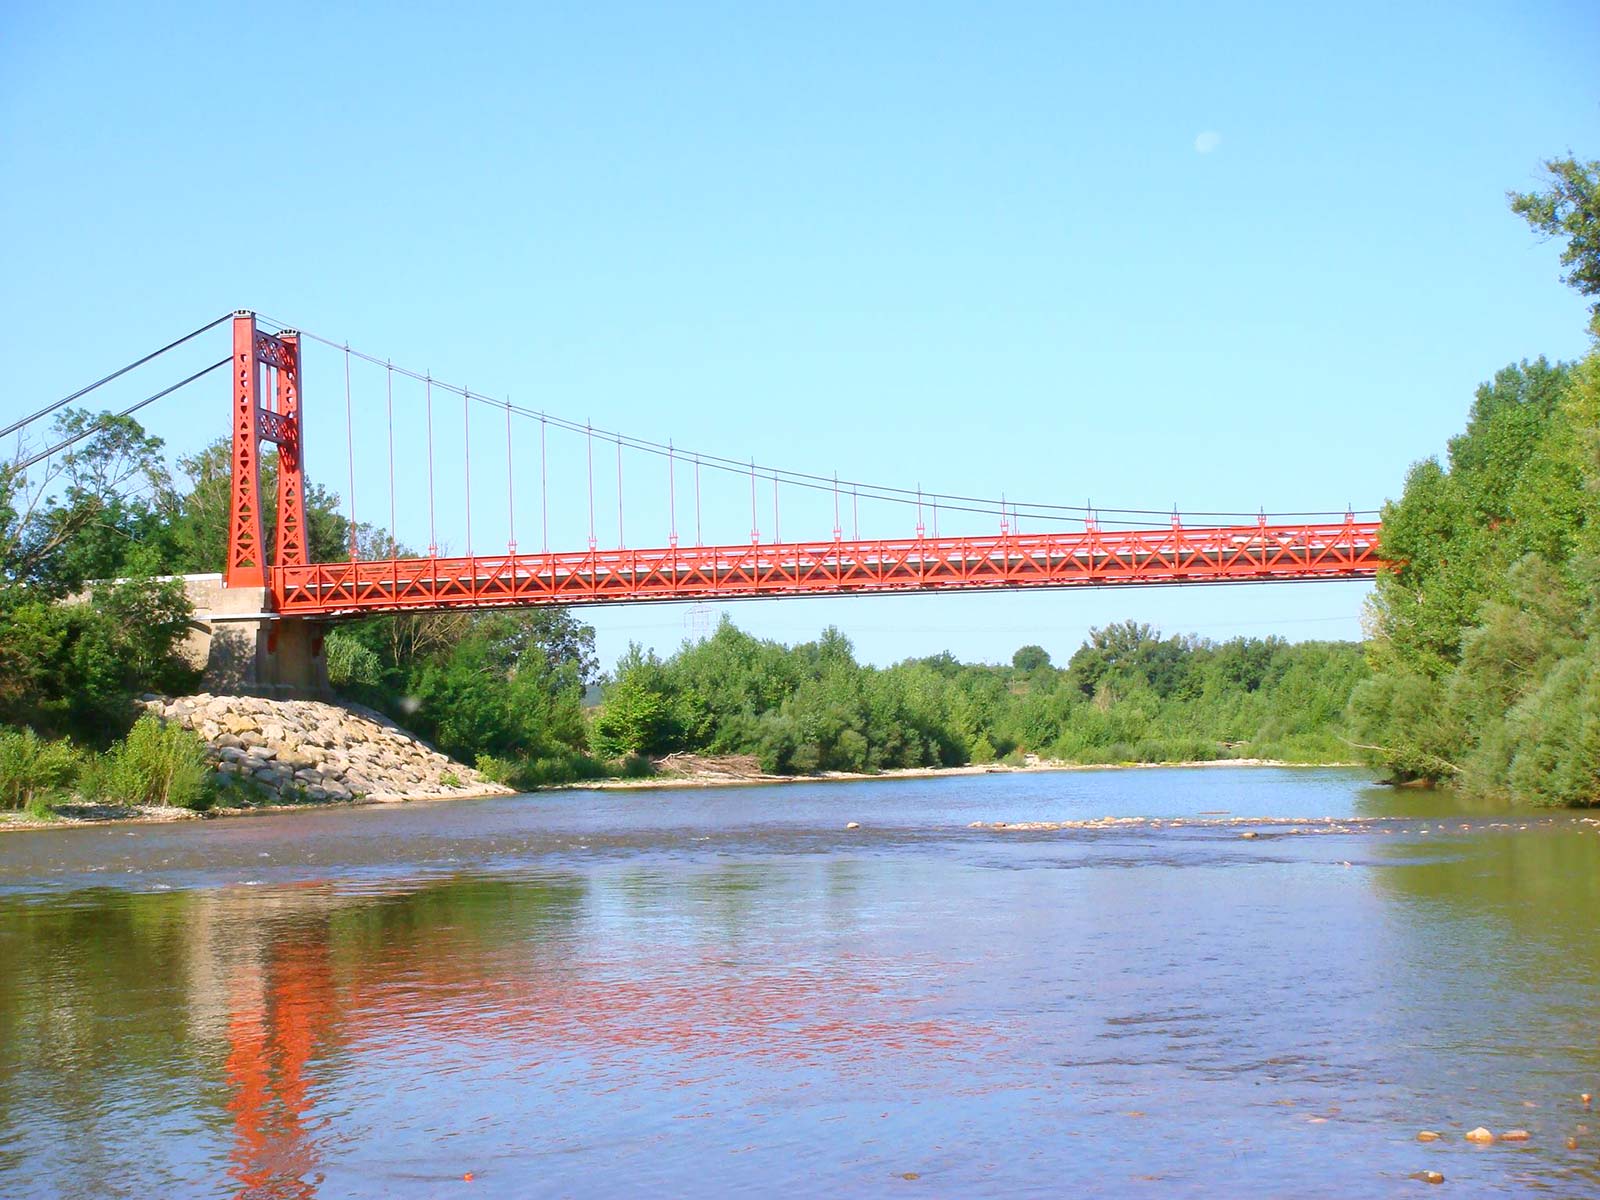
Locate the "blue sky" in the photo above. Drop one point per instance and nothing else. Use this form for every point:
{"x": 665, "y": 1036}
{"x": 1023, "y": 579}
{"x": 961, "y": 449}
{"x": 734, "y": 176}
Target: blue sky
{"x": 1240, "y": 257}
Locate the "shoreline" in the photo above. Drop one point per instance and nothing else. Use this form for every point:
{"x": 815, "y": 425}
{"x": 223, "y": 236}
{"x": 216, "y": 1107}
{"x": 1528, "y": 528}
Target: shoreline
{"x": 707, "y": 779}
{"x": 78, "y": 815}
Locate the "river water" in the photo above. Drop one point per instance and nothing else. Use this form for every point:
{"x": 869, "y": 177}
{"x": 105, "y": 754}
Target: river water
{"x": 726, "y": 992}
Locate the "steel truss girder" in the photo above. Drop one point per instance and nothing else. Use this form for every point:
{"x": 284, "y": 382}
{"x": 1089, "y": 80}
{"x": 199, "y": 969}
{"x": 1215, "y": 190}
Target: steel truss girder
{"x": 1092, "y": 558}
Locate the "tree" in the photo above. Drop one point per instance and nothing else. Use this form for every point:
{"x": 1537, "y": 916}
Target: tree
{"x": 1569, "y": 208}
{"x": 1030, "y": 658}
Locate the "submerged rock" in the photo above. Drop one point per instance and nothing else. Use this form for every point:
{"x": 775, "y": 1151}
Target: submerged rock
{"x": 1480, "y": 1134}
{"x": 1427, "y": 1135}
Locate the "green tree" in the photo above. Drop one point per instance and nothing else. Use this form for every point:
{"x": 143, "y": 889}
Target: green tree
{"x": 1569, "y": 208}
{"x": 1030, "y": 658}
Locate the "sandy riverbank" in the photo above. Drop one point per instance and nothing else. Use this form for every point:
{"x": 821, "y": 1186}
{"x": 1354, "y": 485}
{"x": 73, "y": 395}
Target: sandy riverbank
{"x": 693, "y": 776}
{"x": 692, "y": 773}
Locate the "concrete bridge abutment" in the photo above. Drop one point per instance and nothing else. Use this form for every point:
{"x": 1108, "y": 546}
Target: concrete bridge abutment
{"x": 245, "y": 648}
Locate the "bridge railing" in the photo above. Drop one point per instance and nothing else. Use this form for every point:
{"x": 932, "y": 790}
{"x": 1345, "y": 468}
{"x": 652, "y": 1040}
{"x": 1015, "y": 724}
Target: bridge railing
{"x": 1089, "y": 558}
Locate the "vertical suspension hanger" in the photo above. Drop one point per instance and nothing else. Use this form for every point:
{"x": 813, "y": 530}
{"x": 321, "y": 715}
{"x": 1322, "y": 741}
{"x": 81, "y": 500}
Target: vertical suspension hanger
{"x": 621, "y": 540}
{"x": 777, "y": 526}
{"x": 672, "y": 500}
{"x": 466, "y": 442}
{"x": 389, "y": 401}
{"x": 350, "y": 451}
{"x": 544, "y": 486}
{"x": 755, "y": 532}
{"x": 433, "y": 532}
{"x": 588, "y": 433}
{"x": 511, "y": 488}
{"x": 697, "y": 538}
{"x": 855, "y": 511}
{"x": 836, "y": 530}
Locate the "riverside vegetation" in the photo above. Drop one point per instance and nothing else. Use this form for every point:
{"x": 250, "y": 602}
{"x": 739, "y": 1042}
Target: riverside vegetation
{"x": 1482, "y": 669}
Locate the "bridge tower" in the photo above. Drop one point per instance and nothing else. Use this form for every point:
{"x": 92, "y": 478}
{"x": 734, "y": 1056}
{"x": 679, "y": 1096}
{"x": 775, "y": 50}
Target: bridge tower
{"x": 253, "y": 648}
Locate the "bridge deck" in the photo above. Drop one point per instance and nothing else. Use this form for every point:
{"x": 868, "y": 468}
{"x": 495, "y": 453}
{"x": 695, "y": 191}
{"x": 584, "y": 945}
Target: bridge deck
{"x": 1091, "y": 558}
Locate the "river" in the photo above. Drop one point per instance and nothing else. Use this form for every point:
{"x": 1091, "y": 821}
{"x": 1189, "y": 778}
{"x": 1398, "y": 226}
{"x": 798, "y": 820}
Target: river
{"x": 727, "y": 992}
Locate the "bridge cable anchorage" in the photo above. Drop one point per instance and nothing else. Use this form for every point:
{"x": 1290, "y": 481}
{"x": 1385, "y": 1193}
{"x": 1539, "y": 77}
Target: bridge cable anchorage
{"x": 100, "y": 423}
{"x": 433, "y": 531}
{"x": 117, "y": 374}
{"x": 350, "y": 452}
{"x": 389, "y": 404}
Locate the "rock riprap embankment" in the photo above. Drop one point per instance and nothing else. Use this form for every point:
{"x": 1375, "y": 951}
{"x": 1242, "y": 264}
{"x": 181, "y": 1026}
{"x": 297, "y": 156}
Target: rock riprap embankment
{"x": 296, "y": 750}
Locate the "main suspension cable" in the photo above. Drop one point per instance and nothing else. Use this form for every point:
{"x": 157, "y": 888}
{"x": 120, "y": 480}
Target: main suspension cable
{"x": 84, "y": 391}
{"x": 885, "y": 493}
{"x": 100, "y": 424}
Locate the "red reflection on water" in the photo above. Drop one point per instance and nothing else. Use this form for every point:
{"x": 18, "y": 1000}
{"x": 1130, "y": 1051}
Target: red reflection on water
{"x": 656, "y": 1011}
{"x": 277, "y": 1015}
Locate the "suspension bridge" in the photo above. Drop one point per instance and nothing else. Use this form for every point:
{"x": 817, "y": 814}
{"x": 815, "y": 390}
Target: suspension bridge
{"x": 289, "y": 597}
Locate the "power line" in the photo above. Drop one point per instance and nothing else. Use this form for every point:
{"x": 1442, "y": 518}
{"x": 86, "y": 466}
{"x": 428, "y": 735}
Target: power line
{"x": 84, "y": 391}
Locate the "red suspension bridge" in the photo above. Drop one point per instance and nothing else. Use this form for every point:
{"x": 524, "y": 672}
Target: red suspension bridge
{"x": 1342, "y": 548}
{"x": 1073, "y": 546}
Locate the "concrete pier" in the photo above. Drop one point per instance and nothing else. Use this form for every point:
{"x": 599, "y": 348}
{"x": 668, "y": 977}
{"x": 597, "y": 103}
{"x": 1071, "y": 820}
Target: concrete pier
{"x": 245, "y": 648}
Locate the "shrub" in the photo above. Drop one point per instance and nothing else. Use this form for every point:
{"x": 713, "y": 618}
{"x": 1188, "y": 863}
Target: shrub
{"x": 497, "y": 769}
{"x": 40, "y": 808}
{"x": 637, "y": 766}
{"x": 238, "y": 791}
{"x": 33, "y": 769}
{"x": 557, "y": 769}
{"x": 351, "y": 664}
{"x": 159, "y": 764}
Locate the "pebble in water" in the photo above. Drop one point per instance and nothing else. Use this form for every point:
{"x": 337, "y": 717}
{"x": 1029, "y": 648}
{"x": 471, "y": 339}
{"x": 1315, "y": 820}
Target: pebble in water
{"x": 1480, "y": 1134}
{"x": 1427, "y": 1135}
{"x": 1514, "y": 1135}
{"x": 1427, "y": 1176}
{"x": 852, "y": 825}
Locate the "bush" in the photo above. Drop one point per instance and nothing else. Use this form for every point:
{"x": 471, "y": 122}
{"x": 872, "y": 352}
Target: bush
{"x": 161, "y": 765}
{"x": 238, "y": 791}
{"x": 497, "y": 769}
{"x": 33, "y": 769}
{"x": 637, "y": 766}
{"x": 351, "y": 664}
{"x": 554, "y": 770}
